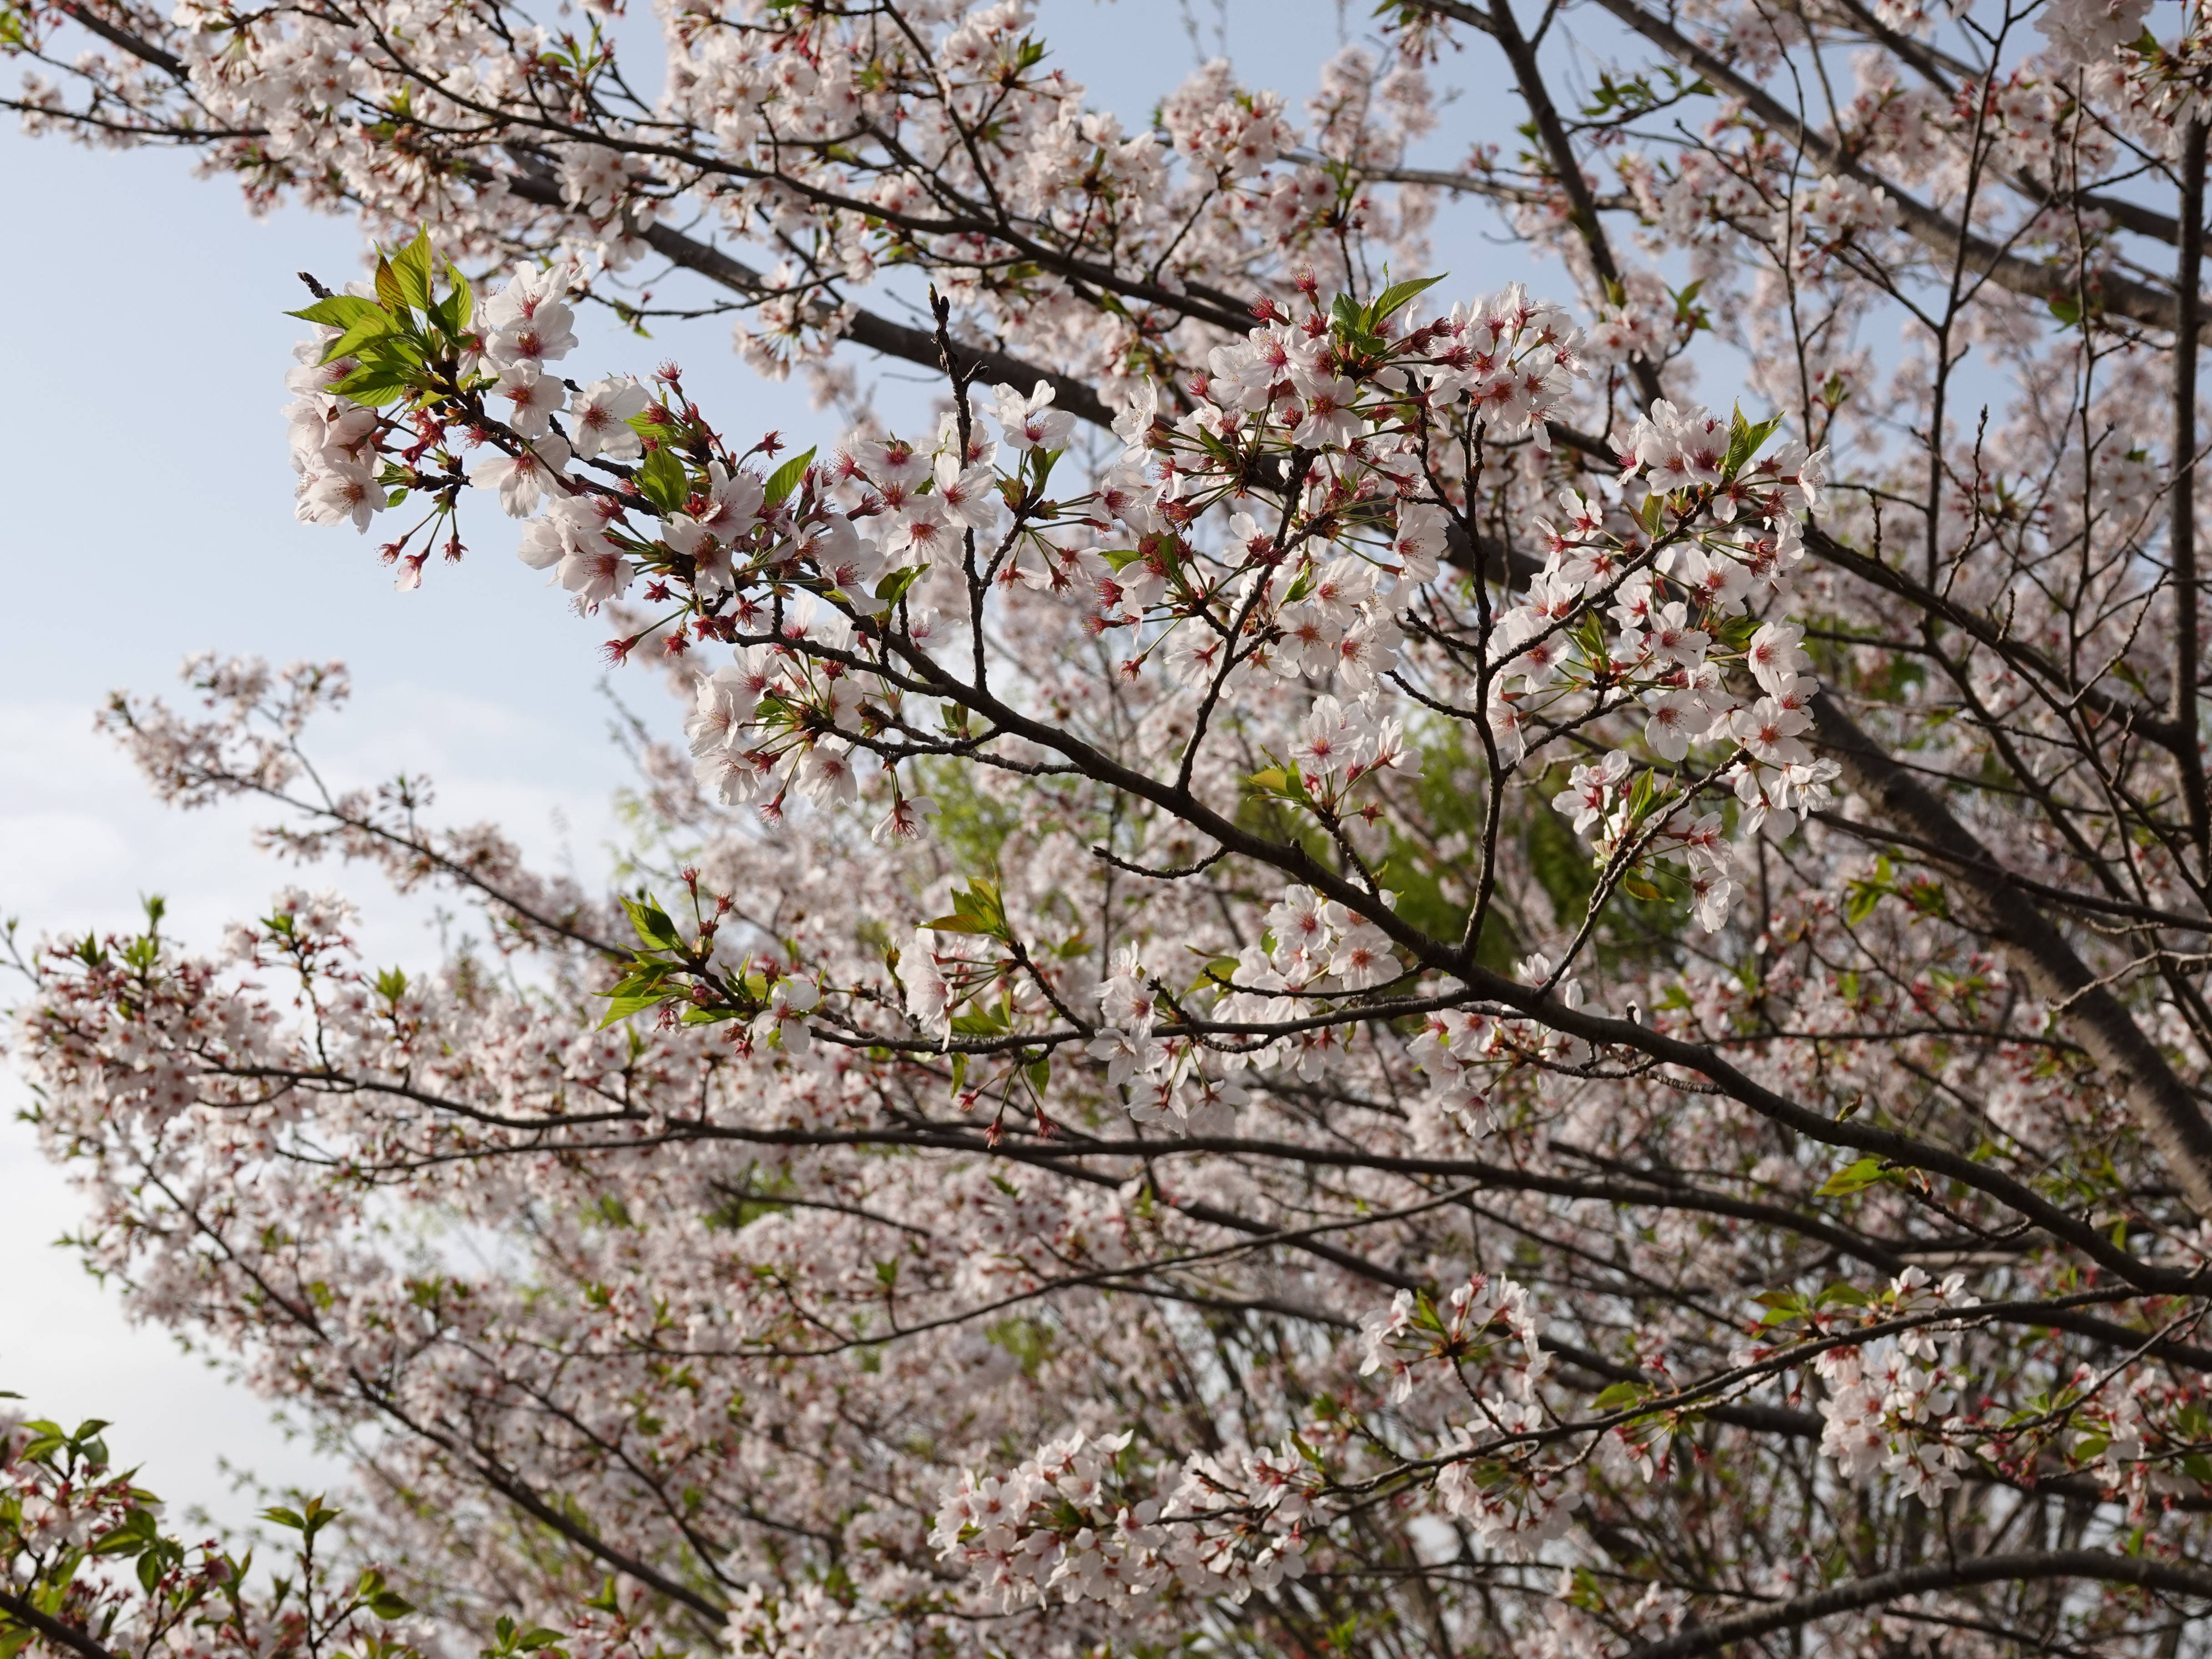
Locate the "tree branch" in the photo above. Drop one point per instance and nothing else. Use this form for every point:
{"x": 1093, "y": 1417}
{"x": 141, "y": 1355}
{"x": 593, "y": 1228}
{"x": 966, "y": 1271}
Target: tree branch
{"x": 52, "y": 1629}
{"x": 1567, "y": 167}
{"x": 879, "y": 334}
{"x": 2181, "y": 534}
{"x": 2122, "y": 295}
{"x": 2027, "y": 1566}
{"x": 2161, "y": 1105}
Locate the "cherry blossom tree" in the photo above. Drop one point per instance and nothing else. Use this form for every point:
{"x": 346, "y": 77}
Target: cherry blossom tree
{"x": 1331, "y": 969}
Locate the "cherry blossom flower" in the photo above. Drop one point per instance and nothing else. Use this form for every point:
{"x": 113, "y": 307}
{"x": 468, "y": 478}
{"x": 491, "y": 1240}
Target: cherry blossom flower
{"x": 599, "y": 416}
{"x": 1031, "y": 422}
{"x": 522, "y": 478}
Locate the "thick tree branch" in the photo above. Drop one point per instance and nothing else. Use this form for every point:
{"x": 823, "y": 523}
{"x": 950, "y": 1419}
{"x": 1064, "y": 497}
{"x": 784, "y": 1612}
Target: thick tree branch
{"x": 144, "y": 51}
{"x": 2181, "y": 534}
{"x": 518, "y": 1492}
{"x": 877, "y": 333}
{"x": 67, "y": 1635}
{"x": 1855, "y": 1594}
{"x": 1566, "y": 167}
{"x": 2159, "y": 1103}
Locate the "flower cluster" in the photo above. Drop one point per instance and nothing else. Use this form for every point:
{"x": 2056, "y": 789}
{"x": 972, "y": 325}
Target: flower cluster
{"x": 1483, "y": 1335}
{"x": 1887, "y": 1412}
{"x": 1486, "y": 1322}
{"x": 1702, "y": 535}
{"x": 1057, "y": 1521}
{"x": 1060, "y": 1521}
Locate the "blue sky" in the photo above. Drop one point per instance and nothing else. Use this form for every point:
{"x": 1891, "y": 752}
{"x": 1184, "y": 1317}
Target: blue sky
{"x": 145, "y": 345}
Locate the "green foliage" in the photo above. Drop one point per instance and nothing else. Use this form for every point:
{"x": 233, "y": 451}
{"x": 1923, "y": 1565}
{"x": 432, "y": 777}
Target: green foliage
{"x": 66, "y": 1448}
{"x": 894, "y": 587}
{"x": 1620, "y": 97}
{"x": 1030, "y": 1341}
{"x": 665, "y": 969}
{"x": 1856, "y": 1177}
{"x": 1615, "y": 1395}
{"x": 971, "y": 826}
{"x": 1359, "y": 328}
{"x": 511, "y": 1639}
{"x": 662, "y": 480}
{"x": 979, "y": 909}
{"x": 1921, "y": 895}
{"x": 379, "y": 1598}
{"x": 309, "y": 1519}
{"x": 1745, "y": 438}
{"x": 785, "y": 479}
{"x": 758, "y": 1192}
{"x": 397, "y": 339}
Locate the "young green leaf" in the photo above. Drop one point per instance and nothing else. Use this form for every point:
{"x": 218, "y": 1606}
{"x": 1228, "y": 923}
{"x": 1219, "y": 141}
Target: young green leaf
{"x": 389, "y": 293}
{"x": 785, "y": 479}
{"x": 1392, "y": 299}
{"x": 893, "y": 587}
{"x": 414, "y": 268}
{"x": 1617, "y": 1394}
{"x": 652, "y": 923}
{"x": 340, "y": 311}
{"x": 374, "y": 326}
{"x": 373, "y": 386}
{"x": 457, "y": 309}
{"x": 661, "y": 479}
{"x": 622, "y": 1007}
{"x": 1854, "y": 1178}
